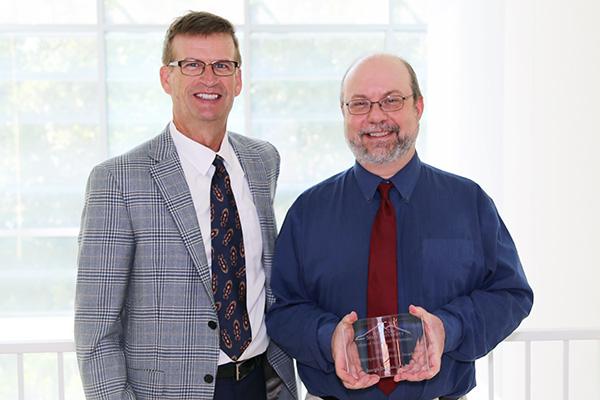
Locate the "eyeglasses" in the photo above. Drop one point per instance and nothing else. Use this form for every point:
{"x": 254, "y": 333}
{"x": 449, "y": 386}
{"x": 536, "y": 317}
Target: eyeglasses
{"x": 193, "y": 67}
{"x": 387, "y": 104}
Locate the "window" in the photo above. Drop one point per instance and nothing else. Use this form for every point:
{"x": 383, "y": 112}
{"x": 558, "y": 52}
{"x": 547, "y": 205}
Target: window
{"x": 83, "y": 86}
{"x": 79, "y": 84}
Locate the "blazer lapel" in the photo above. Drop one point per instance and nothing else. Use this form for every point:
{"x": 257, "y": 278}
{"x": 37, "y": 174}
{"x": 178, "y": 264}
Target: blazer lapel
{"x": 170, "y": 180}
{"x": 258, "y": 182}
{"x": 256, "y": 175}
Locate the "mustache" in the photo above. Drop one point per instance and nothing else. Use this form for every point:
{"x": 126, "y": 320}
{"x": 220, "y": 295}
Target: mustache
{"x": 393, "y": 128}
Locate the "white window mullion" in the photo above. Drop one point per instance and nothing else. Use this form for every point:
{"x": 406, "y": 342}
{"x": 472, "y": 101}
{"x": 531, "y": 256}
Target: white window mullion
{"x": 20, "y": 377}
{"x": 247, "y": 30}
{"x": 102, "y": 84}
{"x": 60, "y": 359}
{"x": 388, "y": 32}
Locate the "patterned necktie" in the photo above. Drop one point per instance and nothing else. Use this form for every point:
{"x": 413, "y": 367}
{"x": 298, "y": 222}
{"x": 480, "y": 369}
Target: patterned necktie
{"x": 228, "y": 265}
{"x": 382, "y": 291}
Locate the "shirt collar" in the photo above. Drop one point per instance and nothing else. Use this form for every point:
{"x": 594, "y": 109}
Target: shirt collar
{"x": 200, "y": 156}
{"x": 404, "y": 180}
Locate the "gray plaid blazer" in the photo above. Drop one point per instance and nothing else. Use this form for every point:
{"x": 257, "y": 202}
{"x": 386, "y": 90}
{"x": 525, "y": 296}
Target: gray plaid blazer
{"x": 143, "y": 299}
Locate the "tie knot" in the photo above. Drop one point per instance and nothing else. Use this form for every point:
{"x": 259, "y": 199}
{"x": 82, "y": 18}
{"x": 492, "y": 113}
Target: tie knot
{"x": 384, "y": 190}
{"x": 218, "y": 161}
{"x": 219, "y": 166}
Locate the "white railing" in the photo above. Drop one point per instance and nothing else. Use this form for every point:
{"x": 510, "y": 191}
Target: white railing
{"x": 529, "y": 336}
{"x": 36, "y": 347}
{"x": 526, "y": 337}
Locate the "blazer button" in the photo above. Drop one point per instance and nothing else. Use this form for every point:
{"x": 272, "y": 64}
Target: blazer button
{"x": 212, "y": 324}
{"x": 208, "y": 378}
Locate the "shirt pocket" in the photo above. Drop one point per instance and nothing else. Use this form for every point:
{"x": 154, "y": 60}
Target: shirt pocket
{"x": 449, "y": 267}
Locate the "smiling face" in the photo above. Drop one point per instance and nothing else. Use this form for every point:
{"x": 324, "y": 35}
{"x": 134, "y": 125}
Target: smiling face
{"x": 201, "y": 104}
{"x": 383, "y": 142}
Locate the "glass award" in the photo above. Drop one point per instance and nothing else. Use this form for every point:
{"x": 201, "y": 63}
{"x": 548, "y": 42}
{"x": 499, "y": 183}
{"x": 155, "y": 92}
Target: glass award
{"x": 386, "y": 345}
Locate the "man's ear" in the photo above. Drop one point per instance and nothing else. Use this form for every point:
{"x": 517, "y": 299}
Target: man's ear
{"x": 165, "y": 73}
{"x": 238, "y": 81}
{"x": 419, "y": 106}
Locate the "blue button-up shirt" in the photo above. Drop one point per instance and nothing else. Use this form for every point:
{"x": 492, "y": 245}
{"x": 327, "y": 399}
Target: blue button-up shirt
{"x": 455, "y": 258}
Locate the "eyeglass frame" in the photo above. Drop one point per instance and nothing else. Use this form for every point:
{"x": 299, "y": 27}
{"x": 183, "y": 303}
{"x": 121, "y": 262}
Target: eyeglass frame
{"x": 177, "y": 63}
{"x": 378, "y": 102}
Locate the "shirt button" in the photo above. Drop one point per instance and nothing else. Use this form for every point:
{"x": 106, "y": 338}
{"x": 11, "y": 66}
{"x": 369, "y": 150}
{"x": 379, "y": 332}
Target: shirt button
{"x": 208, "y": 378}
{"x": 212, "y": 324}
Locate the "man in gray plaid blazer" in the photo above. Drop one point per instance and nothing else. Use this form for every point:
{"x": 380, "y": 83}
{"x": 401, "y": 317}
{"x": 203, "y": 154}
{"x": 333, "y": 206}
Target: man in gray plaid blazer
{"x": 146, "y": 321}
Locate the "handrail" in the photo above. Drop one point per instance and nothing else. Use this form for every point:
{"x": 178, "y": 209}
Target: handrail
{"x": 546, "y": 335}
{"x": 19, "y": 348}
{"x": 566, "y": 336}
{"x": 37, "y": 346}
{"x": 529, "y": 335}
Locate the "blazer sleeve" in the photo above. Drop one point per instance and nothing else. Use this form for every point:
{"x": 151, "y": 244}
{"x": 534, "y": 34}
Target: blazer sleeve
{"x": 106, "y": 249}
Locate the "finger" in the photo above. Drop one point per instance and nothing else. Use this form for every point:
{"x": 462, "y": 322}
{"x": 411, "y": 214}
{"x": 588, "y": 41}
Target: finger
{"x": 340, "y": 342}
{"x": 344, "y": 374}
{"x": 357, "y": 378}
{"x": 355, "y": 369}
{"x": 350, "y": 318}
{"x": 368, "y": 380}
{"x": 417, "y": 311}
{"x": 423, "y": 315}
{"x": 415, "y": 376}
{"x": 364, "y": 381}
{"x": 347, "y": 377}
{"x": 402, "y": 376}
{"x": 434, "y": 363}
{"x": 343, "y": 368}
{"x": 410, "y": 369}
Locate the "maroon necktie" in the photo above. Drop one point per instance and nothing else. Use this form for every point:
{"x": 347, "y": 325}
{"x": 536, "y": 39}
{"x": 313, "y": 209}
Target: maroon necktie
{"x": 382, "y": 291}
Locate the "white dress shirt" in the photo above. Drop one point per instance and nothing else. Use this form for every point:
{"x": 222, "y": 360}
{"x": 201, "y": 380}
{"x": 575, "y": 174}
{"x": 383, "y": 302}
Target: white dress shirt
{"x": 196, "y": 161}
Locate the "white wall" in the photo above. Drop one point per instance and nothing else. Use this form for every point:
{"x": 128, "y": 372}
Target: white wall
{"x": 551, "y": 141}
{"x": 514, "y": 103}
{"x": 465, "y": 88}
{"x": 514, "y": 99}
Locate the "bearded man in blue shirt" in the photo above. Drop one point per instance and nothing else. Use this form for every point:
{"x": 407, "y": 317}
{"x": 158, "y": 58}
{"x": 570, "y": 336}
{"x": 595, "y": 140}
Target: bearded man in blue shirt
{"x": 456, "y": 266}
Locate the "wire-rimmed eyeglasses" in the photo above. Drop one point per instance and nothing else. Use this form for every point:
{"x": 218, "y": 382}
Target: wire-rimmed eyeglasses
{"x": 388, "y": 103}
{"x": 193, "y": 67}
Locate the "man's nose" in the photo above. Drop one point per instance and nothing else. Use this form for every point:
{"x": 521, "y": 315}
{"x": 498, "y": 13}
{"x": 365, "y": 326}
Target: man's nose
{"x": 376, "y": 114}
{"x": 208, "y": 77}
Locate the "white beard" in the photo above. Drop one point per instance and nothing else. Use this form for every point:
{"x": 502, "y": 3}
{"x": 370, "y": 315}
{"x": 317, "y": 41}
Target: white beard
{"x": 383, "y": 154}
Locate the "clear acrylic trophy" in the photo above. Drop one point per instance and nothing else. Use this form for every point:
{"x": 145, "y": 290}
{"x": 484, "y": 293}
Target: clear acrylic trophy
{"x": 386, "y": 345}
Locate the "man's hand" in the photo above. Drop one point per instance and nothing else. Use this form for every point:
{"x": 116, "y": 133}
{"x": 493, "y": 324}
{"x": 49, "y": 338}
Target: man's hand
{"x": 349, "y": 370}
{"x": 429, "y": 352}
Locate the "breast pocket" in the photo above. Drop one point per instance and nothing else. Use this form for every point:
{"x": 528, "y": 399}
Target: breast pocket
{"x": 449, "y": 266}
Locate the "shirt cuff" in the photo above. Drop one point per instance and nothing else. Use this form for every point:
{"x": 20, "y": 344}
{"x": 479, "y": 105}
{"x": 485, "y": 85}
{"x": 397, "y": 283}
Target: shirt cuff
{"x": 325, "y": 333}
{"x": 452, "y": 328}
